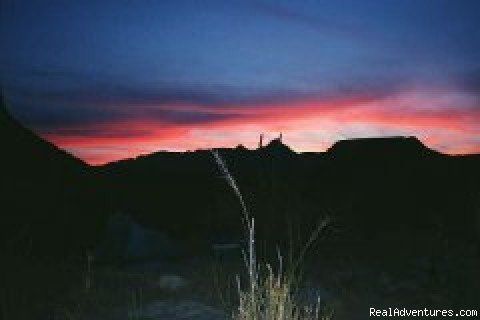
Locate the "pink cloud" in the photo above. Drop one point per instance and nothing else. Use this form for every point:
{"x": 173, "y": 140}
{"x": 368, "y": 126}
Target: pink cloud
{"x": 443, "y": 122}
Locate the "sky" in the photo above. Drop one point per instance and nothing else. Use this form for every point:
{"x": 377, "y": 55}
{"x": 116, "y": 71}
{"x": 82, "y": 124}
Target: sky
{"x": 113, "y": 79}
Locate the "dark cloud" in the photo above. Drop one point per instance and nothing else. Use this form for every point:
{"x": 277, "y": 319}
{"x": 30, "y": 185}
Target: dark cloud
{"x": 471, "y": 81}
{"x": 197, "y": 94}
{"x": 300, "y": 16}
{"x": 187, "y": 117}
{"x": 76, "y": 99}
{"x": 93, "y": 132}
{"x": 43, "y": 115}
{"x": 54, "y": 115}
{"x": 47, "y": 109}
{"x": 83, "y": 90}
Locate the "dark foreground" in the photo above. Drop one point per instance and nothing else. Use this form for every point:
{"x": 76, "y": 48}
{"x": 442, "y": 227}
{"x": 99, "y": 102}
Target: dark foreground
{"x": 404, "y": 228}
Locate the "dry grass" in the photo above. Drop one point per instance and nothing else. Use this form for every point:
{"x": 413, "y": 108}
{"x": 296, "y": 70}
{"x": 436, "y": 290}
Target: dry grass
{"x": 269, "y": 294}
{"x": 265, "y": 292}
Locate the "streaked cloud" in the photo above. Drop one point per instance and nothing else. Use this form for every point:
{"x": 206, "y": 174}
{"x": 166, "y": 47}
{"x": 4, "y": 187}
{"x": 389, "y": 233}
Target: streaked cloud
{"x": 112, "y": 79}
{"x": 310, "y": 125}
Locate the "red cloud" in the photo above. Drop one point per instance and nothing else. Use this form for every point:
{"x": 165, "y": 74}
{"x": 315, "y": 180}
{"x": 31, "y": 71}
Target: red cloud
{"x": 308, "y": 125}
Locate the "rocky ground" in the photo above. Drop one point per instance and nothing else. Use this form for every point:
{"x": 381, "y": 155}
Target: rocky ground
{"x": 205, "y": 289}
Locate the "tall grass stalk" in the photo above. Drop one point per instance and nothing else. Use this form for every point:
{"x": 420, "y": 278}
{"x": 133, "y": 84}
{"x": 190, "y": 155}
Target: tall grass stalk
{"x": 270, "y": 295}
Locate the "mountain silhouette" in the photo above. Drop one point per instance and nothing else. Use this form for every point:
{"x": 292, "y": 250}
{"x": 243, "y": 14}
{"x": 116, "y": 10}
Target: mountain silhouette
{"x": 373, "y": 188}
{"x": 382, "y": 147}
{"x": 276, "y": 146}
{"x": 49, "y": 204}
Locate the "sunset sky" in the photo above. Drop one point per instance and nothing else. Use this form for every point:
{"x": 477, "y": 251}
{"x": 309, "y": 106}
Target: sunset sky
{"x": 112, "y": 79}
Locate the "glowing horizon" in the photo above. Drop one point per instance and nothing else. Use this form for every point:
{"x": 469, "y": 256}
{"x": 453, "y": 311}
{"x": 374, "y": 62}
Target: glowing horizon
{"x": 140, "y": 76}
{"x": 312, "y": 125}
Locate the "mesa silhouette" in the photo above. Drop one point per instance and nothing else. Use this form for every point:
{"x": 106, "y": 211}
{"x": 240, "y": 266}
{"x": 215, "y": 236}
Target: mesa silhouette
{"x": 374, "y": 189}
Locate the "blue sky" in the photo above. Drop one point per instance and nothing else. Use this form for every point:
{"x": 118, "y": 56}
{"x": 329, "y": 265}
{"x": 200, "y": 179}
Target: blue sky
{"x": 72, "y": 67}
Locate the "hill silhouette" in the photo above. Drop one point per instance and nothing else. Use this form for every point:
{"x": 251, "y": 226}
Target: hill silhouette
{"x": 373, "y": 188}
{"x": 50, "y": 202}
{"x": 382, "y": 147}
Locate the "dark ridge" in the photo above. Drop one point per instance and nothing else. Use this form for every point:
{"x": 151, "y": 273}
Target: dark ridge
{"x": 50, "y": 205}
{"x": 374, "y": 187}
{"x": 277, "y": 147}
{"x": 398, "y": 146}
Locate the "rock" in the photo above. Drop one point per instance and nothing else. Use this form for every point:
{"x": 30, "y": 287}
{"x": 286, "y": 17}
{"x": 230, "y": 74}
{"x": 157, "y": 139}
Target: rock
{"x": 312, "y": 296}
{"x": 227, "y": 250}
{"x": 181, "y": 310}
{"x": 385, "y": 280}
{"x": 172, "y": 282}
{"x": 220, "y": 247}
{"x": 126, "y": 240}
{"x": 146, "y": 243}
